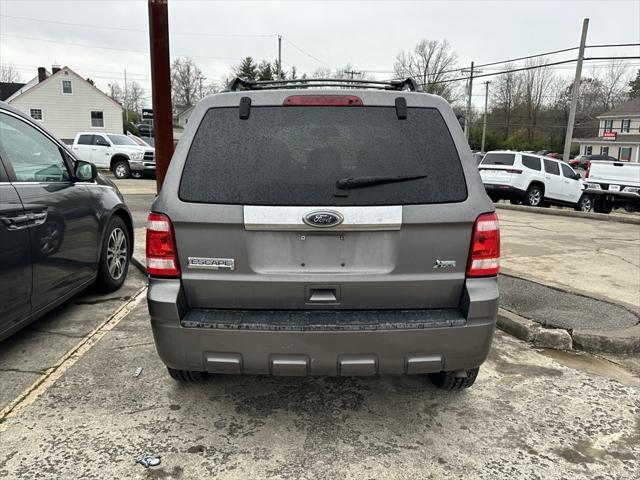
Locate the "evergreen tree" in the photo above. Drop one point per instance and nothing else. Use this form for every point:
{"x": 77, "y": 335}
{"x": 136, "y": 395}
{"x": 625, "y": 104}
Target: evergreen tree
{"x": 247, "y": 69}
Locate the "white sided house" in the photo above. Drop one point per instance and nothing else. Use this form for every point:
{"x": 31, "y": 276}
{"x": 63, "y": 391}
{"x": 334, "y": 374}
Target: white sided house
{"x": 65, "y": 104}
{"x": 618, "y": 134}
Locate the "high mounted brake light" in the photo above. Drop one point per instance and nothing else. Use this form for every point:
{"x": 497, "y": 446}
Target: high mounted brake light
{"x": 162, "y": 256}
{"x": 323, "y": 101}
{"x": 484, "y": 258}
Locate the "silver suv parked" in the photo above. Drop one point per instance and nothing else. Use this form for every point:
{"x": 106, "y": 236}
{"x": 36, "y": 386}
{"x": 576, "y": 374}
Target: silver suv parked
{"x": 323, "y": 227}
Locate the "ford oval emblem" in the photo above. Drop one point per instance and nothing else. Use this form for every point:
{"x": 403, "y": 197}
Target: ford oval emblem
{"x": 323, "y": 218}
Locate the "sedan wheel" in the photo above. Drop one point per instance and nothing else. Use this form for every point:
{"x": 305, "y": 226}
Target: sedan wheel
{"x": 116, "y": 253}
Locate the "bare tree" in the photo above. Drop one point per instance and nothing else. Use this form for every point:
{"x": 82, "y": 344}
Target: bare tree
{"x": 131, "y": 98}
{"x": 506, "y": 95}
{"x": 430, "y": 63}
{"x": 536, "y": 83}
{"x": 8, "y": 73}
{"x": 187, "y": 82}
{"x": 614, "y": 80}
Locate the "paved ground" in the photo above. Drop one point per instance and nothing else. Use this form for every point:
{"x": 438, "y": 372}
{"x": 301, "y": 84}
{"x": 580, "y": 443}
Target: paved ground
{"x": 529, "y": 416}
{"x": 556, "y": 308}
{"x": 599, "y": 259}
{"x": 532, "y": 414}
{"x": 35, "y": 349}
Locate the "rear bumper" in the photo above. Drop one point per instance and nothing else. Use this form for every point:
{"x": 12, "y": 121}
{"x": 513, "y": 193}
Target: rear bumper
{"x": 413, "y": 341}
{"x": 504, "y": 191}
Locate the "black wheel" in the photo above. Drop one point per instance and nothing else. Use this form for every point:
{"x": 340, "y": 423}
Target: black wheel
{"x": 602, "y": 205}
{"x": 631, "y": 207}
{"x": 121, "y": 169}
{"x": 136, "y": 174}
{"x": 449, "y": 380}
{"x": 515, "y": 201}
{"x": 534, "y": 196}
{"x": 114, "y": 259}
{"x": 494, "y": 198}
{"x": 187, "y": 375}
{"x": 585, "y": 204}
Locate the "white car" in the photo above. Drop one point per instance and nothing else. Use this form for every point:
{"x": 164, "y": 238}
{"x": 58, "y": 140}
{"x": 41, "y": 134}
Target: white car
{"x": 533, "y": 180}
{"x": 116, "y": 152}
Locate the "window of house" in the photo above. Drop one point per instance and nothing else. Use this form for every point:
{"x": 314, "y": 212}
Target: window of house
{"x": 604, "y": 150}
{"x": 588, "y": 150}
{"x": 35, "y": 113}
{"x": 625, "y": 154}
{"x": 626, "y": 125}
{"x": 608, "y": 125}
{"x": 67, "y": 88}
{"x": 97, "y": 119}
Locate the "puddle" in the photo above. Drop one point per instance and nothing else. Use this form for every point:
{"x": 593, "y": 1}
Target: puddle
{"x": 593, "y": 365}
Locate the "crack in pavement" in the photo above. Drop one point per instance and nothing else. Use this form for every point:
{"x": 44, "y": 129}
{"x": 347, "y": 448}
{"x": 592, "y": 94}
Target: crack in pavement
{"x": 600, "y": 250}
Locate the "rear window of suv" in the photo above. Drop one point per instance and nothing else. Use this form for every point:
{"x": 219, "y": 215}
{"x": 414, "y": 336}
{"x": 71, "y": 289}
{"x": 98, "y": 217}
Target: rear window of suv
{"x": 295, "y": 155}
{"x": 499, "y": 159}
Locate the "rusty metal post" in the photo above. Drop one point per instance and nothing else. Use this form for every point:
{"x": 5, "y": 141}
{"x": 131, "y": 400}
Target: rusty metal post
{"x": 161, "y": 86}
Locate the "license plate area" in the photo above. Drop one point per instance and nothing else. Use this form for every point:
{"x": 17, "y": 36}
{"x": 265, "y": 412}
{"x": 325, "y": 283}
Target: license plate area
{"x": 323, "y": 252}
{"x": 614, "y": 188}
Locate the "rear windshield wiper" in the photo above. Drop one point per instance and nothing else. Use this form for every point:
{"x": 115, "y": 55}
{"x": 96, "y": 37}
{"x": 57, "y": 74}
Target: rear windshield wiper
{"x": 362, "y": 182}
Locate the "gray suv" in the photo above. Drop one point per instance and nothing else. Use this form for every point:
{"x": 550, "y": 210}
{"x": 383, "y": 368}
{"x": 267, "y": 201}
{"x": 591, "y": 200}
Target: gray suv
{"x": 323, "y": 227}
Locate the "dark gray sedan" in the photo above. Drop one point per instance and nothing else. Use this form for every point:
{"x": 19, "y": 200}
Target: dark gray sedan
{"x": 63, "y": 227}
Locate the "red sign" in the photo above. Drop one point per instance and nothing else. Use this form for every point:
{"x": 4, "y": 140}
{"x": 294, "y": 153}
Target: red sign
{"x": 610, "y": 135}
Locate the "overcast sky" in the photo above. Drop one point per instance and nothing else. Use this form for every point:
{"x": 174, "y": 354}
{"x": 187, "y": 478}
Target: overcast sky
{"x": 368, "y": 34}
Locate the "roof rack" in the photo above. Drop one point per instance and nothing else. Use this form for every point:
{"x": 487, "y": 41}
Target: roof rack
{"x": 398, "y": 85}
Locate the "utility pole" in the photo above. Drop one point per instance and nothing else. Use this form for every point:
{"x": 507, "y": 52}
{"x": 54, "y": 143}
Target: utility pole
{"x": 484, "y": 120}
{"x": 279, "y": 57}
{"x": 575, "y": 90}
{"x": 352, "y": 73}
{"x": 126, "y": 107}
{"x": 161, "y": 86}
{"x": 467, "y": 118}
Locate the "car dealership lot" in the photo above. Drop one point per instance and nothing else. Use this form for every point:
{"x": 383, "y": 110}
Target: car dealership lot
{"x": 531, "y": 414}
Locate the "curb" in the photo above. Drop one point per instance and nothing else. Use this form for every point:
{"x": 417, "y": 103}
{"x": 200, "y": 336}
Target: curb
{"x": 571, "y": 213}
{"x": 625, "y": 340}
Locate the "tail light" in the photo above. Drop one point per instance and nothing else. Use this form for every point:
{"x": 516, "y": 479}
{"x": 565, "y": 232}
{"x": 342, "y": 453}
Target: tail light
{"x": 162, "y": 256}
{"x": 586, "y": 175}
{"x": 484, "y": 258}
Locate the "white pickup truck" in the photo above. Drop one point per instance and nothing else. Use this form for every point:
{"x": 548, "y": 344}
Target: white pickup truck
{"x": 613, "y": 185}
{"x": 117, "y": 152}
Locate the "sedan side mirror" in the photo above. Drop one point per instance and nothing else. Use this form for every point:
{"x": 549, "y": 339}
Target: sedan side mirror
{"x": 85, "y": 171}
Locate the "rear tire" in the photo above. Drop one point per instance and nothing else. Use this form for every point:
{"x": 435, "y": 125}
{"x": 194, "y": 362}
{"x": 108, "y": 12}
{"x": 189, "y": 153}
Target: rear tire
{"x": 515, "y": 201}
{"x": 136, "y": 174}
{"x": 534, "y": 196}
{"x": 189, "y": 376}
{"x": 121, "y": 170}
{"x": 585, "y": 204}
{"x": 602, "y": 205}
{"x": 449, "y": 381}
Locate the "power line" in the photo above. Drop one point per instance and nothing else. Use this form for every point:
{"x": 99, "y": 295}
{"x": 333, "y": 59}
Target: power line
{"x": 139, "y": 30}
{"x": 532, "y": 67}
{"x": 306, "y": 53}
{"x": 145, "y": 52}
